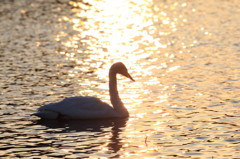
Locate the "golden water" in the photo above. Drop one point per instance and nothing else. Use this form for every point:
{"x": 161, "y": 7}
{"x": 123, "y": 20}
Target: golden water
{"x": 184, "y": 56}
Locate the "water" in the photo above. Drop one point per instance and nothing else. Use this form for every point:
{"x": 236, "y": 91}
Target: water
{"x": 184, "y": 56}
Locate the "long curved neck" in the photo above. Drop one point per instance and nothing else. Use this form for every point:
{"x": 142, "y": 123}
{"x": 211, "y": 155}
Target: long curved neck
{"x": 114, "y": 96}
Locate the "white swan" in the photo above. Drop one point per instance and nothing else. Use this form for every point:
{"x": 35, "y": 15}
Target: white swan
{"x": 84, "y": 107}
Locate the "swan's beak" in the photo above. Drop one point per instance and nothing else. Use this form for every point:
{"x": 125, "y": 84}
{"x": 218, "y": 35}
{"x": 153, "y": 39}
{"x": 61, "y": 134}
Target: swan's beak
{"x": 130, "y": 77}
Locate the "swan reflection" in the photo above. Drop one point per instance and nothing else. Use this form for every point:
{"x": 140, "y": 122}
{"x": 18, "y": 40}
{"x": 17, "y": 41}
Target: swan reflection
{"x": 97, "y": 130}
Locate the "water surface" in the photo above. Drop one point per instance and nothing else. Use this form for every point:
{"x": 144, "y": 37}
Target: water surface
{"x": 183, "y": 55}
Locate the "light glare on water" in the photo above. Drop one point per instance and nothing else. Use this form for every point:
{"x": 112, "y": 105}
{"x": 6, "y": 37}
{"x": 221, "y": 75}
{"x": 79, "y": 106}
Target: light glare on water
{"x": 183, "y": 55}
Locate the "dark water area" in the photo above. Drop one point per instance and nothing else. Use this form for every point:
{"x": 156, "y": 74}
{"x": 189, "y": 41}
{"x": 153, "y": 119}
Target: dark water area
{"x": 184, "y": 56}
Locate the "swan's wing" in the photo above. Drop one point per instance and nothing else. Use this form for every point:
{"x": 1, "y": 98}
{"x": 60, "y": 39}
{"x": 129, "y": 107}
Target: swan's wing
{"x": 85, "y": 103}
{"x": 80, "y": 107}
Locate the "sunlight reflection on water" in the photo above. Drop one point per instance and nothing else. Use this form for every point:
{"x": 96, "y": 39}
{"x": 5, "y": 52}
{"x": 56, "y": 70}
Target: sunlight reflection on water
{"x": 183, "y": 55}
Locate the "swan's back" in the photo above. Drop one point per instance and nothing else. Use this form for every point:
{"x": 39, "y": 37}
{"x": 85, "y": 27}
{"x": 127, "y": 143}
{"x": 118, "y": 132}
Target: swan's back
{"x": 81, "y": 102}
{"x": 82, "y": 107}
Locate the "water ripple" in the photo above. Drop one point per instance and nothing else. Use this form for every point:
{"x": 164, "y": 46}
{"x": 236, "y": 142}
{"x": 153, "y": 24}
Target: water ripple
{"x": 184, "y": 56}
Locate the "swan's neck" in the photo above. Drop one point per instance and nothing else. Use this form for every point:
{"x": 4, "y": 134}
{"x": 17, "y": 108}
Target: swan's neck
{"x": 114, "y": 97}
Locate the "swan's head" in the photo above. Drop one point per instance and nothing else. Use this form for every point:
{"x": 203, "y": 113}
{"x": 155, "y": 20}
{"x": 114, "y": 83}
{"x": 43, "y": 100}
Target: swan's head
{"x": 120, "y": 68}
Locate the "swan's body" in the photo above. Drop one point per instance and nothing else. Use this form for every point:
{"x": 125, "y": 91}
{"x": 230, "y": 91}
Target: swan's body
{"x": 82, "y": 107}
{"x": 85, "y": 107}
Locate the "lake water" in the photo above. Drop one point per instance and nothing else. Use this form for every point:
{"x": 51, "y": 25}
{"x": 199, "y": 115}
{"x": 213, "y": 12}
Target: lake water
{"x": 184, "y": 56}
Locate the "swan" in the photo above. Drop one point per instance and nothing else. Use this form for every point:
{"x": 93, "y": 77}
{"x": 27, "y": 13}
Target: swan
{"x": 86, "y": 107}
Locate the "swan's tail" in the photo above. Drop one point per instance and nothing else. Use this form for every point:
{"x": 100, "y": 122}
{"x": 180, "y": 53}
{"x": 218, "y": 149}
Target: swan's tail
{"x": 46, "y": 114}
